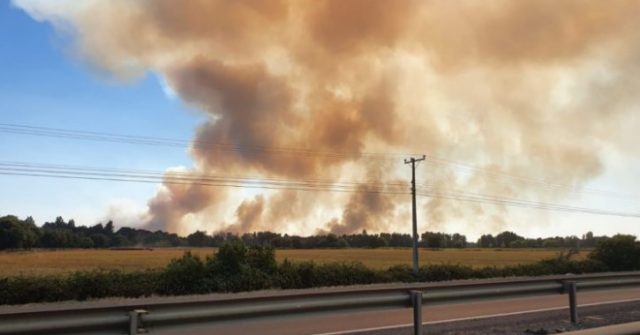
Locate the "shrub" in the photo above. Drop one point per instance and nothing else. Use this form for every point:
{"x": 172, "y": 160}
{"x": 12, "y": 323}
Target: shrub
{"x": 334, "y": 274}
{"x": 400, "y": 273}
{"x": 262, "y": 259}
{"x": 185, "y": 275}
{"x": 440, "y": 272}
{"x": 230, "y": 258}
{"x": 236, "y": 268}
{"x": 619, "y": 253}
{"x": 295, "y": 275}
{"x": 22, "y": 290}
{"x": 77, "y": 286}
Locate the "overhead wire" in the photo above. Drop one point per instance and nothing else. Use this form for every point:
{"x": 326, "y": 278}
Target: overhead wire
{"x": 201, "y": 180}
{"x": 185, "y": 175}
{"x": 177, "y": 177}
{"x": 492, "y": 200}
{"x": 146, "y": 176}
{"x": 553, "y": 186}
{"x": 22, "y": 129}
{"x": 208, "y": 145}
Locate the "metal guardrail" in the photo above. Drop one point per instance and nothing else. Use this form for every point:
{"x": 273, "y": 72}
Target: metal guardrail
{"x": 138, "y": 317}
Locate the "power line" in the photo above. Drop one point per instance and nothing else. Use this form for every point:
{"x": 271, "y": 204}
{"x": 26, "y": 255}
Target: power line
{"x": 200, "y": 180}
{"x": 74, "y": 134}
{"x": 180, "y": 143}
{"x": 523, "y": 204}
{"x": 123, "y": 175}
{"x": 174, "y": 182}
{"x": 189, "y": 176}
{"x": 543, "y": 182}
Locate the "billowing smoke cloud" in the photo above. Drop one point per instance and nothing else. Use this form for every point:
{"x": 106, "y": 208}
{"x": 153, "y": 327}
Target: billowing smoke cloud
{"x": 532, "y": 88}
{"x": 249, "y": 215}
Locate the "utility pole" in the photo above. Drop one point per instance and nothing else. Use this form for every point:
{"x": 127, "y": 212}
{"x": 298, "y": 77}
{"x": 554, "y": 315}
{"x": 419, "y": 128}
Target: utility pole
{"x": 413, "y": 162}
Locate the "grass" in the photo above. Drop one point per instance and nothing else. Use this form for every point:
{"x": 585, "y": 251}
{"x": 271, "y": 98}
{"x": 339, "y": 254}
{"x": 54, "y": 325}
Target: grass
{"x": 45, "y": 262}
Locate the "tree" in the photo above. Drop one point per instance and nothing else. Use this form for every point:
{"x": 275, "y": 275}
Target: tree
{"x": 17, "y": 234}
{"x": 108, "y": 228}
{"x": 121, "y": 241}
{"x": 518, "y": 244}
{"x": 30, "y": 221}
{"x": 398, "y": 240}
{"x": 458, "y": 241}
{"x": 57, "y": 239}
{"x": 60, "y": 222}
{"x": 342, "y": 243}
{"x": 487, "y": 241}
{"x": 433, "y": 240}
{"x": 590, "y": 241}
{"x": 199, "y": 239}
{"x": 376, "y": 241}
{"x": 504, "y": 239}
{"x": 551, "y": 243}
{"x": 100, "y": 240}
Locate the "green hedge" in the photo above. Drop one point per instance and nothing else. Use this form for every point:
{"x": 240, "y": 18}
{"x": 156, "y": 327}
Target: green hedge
{"x": 79, "y": 286}
{"x": 237, "y": 268}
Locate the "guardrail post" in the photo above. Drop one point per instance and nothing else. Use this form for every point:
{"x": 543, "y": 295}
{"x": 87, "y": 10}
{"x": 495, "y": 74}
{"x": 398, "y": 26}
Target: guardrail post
{"x": 135, "y": 322}
{"x": 571, "y": 288}
{"x": 416, "y": 302}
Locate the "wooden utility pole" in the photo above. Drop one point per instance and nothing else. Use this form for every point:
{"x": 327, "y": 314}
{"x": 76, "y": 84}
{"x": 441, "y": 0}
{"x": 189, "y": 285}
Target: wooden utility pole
{"x": 413, "y": 161}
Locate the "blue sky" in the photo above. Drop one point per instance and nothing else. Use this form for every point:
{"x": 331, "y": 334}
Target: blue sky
{"x": 43, "y": 84}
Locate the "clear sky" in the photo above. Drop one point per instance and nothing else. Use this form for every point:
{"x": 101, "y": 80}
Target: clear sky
{"x": 530, "y": 108}
{"x": 42, "y": 84}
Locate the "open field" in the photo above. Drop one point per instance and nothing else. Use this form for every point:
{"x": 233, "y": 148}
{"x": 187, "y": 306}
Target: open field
{"x": 42, "y": 262}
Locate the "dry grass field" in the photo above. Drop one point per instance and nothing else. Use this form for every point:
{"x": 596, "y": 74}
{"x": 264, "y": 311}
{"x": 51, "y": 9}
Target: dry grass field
{"x": 42, "y": 262}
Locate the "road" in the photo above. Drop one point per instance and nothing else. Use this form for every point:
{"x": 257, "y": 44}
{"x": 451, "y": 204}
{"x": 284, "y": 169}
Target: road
{"x": 356, "y": 322}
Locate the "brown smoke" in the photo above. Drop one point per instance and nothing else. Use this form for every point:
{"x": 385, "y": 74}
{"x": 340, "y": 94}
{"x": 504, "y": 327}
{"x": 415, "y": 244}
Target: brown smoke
{"x": 367, "y": 209}
{"x": 249, "y": 215}
{"x": 174, "y": 201}
{"x": 533, "y": 88}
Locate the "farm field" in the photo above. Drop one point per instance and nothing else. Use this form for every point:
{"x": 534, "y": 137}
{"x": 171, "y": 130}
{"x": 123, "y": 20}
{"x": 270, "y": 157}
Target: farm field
{"x": 44, "y": 262}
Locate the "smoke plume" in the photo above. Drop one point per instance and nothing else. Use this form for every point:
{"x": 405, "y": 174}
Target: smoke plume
{"x": 535, "y": 88}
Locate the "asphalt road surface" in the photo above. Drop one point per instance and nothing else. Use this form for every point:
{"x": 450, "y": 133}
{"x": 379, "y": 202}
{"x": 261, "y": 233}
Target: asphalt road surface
{"x": 362, "y": 322}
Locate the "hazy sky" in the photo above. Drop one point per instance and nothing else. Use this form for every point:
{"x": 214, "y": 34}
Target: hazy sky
{"x": 535, "y": 95}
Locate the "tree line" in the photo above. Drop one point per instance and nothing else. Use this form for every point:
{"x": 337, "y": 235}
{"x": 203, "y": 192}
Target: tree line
{"x": 16, "y": 233}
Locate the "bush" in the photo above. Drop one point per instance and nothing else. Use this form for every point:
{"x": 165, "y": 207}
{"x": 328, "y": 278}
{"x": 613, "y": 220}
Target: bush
{"x": 295, "y": 275}
{"x": 235, "y": 268}
{"x": 400, "y": 273}
{"x": 335, "y": 274}
{"x": 619, "y": 253}
{"x": 185, "y": 275}
{"x": 444, "y": 272}
{"x": 114, "y": 283}
{"x": 262, "y": 259}
{"x": 77, "y": 286}
{"x": 230, "y": 258}
{"x": 22, "y": 290}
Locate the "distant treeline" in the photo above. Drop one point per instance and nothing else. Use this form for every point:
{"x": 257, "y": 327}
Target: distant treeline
{"x": 25, "y": 234}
